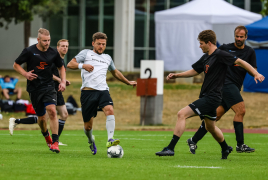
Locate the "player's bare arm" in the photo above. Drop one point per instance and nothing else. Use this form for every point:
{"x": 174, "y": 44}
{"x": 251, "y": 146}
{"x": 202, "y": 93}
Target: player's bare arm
{"x": 73, "y": 64}
{"x": 56, "y": 78}
{"x": 257, "y": 76}
{"x": 189, "y": 73}
{"x": 28, "y": 75}
{"x": 62, "y": 84}
{"x": 118, "y": 75}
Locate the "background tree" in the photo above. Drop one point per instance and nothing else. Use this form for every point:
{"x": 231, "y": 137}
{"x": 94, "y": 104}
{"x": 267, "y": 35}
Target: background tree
{"x": 264, "y": 11}
{"x": 24, "y": 10}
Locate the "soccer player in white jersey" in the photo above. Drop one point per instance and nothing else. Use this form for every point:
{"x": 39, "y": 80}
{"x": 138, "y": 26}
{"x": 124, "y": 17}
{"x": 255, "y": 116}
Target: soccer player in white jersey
{"x": 95, "y": 91}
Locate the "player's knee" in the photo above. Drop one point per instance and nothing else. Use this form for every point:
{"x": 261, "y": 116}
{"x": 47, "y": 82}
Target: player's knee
{"x": 51, "y": 112}
{"x": 242, "y": 112}
{"x": 108, "y": 110}
{"x": 88, "y": 127}
{"x": 64, "y": 115}
{"x": 180, "y": 115}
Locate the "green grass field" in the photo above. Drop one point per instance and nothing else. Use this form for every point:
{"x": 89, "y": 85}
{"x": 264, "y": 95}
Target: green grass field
{"x": 26, "y": 156}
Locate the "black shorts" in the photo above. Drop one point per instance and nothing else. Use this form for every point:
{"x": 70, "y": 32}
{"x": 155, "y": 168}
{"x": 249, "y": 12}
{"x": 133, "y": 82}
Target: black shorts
{"x": 10, "y": 91}
{"x": 60, "y": 99}
{"x": 206, "y": 107}
{"x": 230, "y": 96}
{"x": 41, "y": 98}
{"x": 91, "y": 100}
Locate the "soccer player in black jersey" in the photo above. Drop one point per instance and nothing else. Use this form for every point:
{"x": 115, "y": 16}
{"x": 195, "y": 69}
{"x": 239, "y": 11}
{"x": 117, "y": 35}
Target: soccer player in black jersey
{"x": 40, "y": 84}
{"x": 62, "y": 48}
{"x": 214, "y": 63}
{"x": 231, "y": 97}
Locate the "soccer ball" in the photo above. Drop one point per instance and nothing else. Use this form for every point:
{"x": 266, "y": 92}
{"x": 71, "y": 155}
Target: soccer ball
{"x": 115, "y": 152}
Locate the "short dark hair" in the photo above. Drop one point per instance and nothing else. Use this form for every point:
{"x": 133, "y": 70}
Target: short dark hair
{"x": 241, "y": 28}
{"x": 99, "y": 35}
{"x": 206, "y": 36}
{"x": 6, "y": 76}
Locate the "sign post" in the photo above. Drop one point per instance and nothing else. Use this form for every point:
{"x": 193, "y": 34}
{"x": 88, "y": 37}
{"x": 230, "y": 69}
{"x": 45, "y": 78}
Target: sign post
{"x": 150, "y": 88}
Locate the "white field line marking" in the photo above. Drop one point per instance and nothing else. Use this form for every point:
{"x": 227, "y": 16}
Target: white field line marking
{"x": 204, "y": 167}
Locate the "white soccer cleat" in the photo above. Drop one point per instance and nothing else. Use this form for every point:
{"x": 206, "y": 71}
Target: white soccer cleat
{"x": 12, "y": 125}
{"x": 61, "y": 144}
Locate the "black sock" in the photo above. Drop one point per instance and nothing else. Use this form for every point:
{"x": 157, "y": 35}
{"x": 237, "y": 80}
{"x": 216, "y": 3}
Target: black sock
{"x": 173, "y": 142}
{"x": 239, "y": 132}
{"x": 28, "y": 120}
{"x": 61, "y": 126}
{"x": 55, "y": 138}
{"x": 224, "y": 145}
{"x": 45, "y": 134}
{"x": 200, "y": 133}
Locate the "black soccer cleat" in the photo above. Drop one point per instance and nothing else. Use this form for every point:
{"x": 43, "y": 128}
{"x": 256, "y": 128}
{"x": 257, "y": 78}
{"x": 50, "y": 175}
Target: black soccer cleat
{"x": 244, "y": 148}
{"x": 225, "y": 153}
{"x": 191, "y": 145}
{"x": 165, "y": 152}
{"x": 230, "y": 148}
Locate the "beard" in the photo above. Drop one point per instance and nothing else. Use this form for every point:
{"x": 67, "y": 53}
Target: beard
{"x": 239, "y": 43}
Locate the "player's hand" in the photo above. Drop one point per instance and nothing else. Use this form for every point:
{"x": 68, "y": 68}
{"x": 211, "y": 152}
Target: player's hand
{"x": 30, "y": 76}
{"x": 171, "y": 76}
{"x": 259, "y": 77}
{"x": 88, "y": 67}
{"x": 68, "y": 83}
{"x": 62, "y": 86}
{"x": 133, "y": 83}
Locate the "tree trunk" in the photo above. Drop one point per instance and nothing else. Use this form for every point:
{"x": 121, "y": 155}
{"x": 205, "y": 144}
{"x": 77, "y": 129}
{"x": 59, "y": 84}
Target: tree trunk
{"x": 27, "y": 33}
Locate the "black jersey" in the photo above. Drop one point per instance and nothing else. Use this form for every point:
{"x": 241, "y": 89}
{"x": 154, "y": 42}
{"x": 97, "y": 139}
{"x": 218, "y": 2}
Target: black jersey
{"x": 55, "y": 71}
{"x": 41, "y": 62}
{"x": 215, "y": 68}
{"x": 236, "y": 74}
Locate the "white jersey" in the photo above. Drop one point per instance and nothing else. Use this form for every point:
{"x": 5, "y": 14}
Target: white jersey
{"x": 101, "y": 63}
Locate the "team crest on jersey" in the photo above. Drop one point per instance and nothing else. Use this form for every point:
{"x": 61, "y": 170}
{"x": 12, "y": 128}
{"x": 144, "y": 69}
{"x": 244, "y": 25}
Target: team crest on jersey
{"x": 42, "y": 65}
{"x": 207, "y": 66}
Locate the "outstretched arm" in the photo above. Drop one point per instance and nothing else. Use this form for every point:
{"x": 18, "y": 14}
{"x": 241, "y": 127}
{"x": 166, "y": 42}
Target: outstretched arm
{"x": 257, "y": 76}
{"x": 189, "y": 73}
{"x": 118, "y": 75}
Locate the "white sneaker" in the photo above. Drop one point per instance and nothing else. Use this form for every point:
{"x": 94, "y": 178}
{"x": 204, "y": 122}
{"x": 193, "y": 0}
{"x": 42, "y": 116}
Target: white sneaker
{"x": 61, "y": 144}
{"x": 12, "y": 125}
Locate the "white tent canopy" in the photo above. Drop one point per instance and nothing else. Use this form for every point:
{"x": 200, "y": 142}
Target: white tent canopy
{"x": 177, "y": 29}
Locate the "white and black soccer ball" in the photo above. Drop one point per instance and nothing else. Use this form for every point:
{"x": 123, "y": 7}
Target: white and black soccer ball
{"x": 115, "y": 152}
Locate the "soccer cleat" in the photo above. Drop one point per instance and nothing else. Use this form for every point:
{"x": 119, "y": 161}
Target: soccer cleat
{"x": 92, "y": 146}
{"x": 191, "y": 145}
{"x": 112, "y": 142}
{"x": 55, "y": 147}
{"x": 165, "y": 152}
{"x": 48, "y": 140}
{"x": 244, "y": 148}
{"x": 230, "y": 148}
{"x": 12, "y": 125}
{"x": 225, "y": 153}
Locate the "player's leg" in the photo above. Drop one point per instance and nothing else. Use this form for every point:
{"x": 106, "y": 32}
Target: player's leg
{"x": 240, "y": 111}
{"x": 106, "y": 104}
{"x": 14, "y": 122}
{"x": 88, "y": 130}
{"x": 202, "y": 131}
{"x": 63, "y": 113}
{"x": 182, "y": 115}
{"x": 89, "y": 104}
{"x": 218, "y": 136}
{"x": 42, "y": 122}
{"x": 54, "y": 126}
{"x": 110, "y": 126}
{"x": 5, "y": 93}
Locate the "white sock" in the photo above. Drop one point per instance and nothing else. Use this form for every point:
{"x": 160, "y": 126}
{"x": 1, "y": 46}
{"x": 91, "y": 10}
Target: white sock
{"x": 89, "y": 135}
{"x": 110, "y": 126}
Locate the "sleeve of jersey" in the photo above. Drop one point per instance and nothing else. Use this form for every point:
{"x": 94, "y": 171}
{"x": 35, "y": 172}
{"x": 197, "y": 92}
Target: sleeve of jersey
{"x": 23, "y": 57}
{"x": 252, "y": 60}
{"x": 58, "y": 61}
{"x": 112, "y": 66}
{"x": 81, "y": 56}
{"x": 199, "y": 66}
{"x": 227, "y": 58}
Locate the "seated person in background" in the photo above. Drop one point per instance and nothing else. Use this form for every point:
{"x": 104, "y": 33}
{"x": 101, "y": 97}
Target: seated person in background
{"x": 8, "y": 86}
